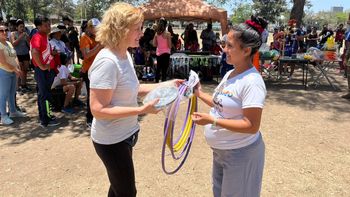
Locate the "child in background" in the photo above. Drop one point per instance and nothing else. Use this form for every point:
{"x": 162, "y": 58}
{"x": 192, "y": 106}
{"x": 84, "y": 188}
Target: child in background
{"x": 70, "y": 85}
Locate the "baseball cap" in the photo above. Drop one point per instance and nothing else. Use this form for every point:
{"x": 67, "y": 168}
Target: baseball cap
{"x": 93, "y": 22}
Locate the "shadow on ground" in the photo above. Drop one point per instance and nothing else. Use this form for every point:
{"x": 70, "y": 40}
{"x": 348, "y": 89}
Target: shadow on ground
{"x": 290, "y": 93}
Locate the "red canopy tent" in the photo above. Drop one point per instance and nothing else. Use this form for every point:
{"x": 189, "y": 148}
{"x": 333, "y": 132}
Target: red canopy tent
{"x": 188, "y": 10}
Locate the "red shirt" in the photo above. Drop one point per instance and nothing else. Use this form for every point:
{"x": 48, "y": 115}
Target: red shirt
{"x": 40, "y": 42}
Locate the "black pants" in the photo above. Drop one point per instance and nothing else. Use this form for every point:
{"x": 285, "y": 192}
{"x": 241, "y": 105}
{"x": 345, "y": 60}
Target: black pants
{"x": 44, "y": 80}
{"x": 117, "y": 159}
{"x": 89, "y": 116}
{"x": 162, "y": 66}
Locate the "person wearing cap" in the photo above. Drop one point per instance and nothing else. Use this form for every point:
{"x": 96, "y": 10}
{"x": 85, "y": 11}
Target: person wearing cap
{"x": 20, "y": 40}
{"x": 44, "y": 66}
{"x": 89, "y": 49}
{"x": 64, "y": 37}
{"x": 56, "y": 42}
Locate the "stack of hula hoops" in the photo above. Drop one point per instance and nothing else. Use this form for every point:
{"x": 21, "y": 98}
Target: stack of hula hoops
{"x": 180, "y": 145}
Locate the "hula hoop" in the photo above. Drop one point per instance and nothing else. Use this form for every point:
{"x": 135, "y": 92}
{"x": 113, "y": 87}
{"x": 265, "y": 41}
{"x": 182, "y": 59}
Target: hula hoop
{"x": 184, "y": 141}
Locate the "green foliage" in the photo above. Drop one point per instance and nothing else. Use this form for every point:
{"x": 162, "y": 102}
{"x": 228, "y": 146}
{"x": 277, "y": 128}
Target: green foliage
{"x": 270, "y": 9}
{"x": 241, "y": 13}
{"x": 321, "y": 18}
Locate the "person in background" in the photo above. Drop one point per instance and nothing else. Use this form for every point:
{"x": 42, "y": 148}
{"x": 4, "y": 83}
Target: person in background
{"x": 83, "y": 27}
{"x": 9, "y": 68}
{"x": 162, "y": 40}
{"x": 339, "y": 36}
{"x": 57, "y": 44}
{"x": 71, "y": 86}
{"x": 73, "y": 38}
{"x": 232, "y": 128}
{"x": 20, "y": 40}
{"x": 174, "y": 39}
{"x": 191, "y": 39}
{"x": 324, "y": 35}
{"x": 208, "y": 38}
{"x": 346, "y": 59}
{"x": 312, "y": 38}
{"x": 89, "y": 49}
{"x": 42, "y": 57}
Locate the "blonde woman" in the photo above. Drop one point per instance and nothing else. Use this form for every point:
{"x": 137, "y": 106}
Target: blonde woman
{"x": 114, "y": 88}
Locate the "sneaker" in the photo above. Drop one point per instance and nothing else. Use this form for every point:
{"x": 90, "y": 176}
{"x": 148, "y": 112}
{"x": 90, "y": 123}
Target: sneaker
{"x": 77, "y": 102}
{"x": 42, "y": 125}
{"x": 52, "y": 123}
{"x": 68, "y": 110}
{"x": 17, "y": 114}
{"x": 5, "y": 120}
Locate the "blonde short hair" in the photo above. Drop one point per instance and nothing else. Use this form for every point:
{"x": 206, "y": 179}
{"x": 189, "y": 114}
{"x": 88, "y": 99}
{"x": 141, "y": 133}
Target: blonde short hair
{"x": 116, "y": 24}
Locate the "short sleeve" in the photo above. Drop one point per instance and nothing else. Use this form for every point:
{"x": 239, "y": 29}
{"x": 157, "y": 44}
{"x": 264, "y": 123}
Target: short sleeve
{"x": 254, "y": 95}
{"x": 103, "y": 74}
{"x": 35, "y": 42}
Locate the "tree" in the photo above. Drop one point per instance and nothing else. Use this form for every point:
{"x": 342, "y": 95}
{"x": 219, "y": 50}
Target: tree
{"x": 270, "y": 9}
{"x": 241, "y": 13}
{"x": 297, "y": 11}
{"x": 63, "y": 7}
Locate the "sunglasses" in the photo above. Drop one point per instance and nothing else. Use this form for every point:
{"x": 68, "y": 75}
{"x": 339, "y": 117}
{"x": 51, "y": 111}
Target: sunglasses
{"x": 4, "y": 30}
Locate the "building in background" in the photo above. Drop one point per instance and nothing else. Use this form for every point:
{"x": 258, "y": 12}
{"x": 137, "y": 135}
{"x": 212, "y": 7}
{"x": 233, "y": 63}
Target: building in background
{"x": 337, "y": 9}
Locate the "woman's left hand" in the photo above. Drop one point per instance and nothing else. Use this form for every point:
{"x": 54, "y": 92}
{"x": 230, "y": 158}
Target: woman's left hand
{"x": 202, "y": 118}
{"x": 178, "y": 82}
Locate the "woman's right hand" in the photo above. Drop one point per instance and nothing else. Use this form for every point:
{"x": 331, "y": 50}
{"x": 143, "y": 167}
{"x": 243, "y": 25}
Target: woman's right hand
{"x": 149, "y": 108}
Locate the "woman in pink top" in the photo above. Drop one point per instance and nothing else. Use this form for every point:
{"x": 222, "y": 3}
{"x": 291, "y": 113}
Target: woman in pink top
{"x": 162, "y": 40}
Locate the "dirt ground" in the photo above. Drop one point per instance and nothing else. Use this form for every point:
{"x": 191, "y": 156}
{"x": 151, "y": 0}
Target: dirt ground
{"x": 306, "y": 133}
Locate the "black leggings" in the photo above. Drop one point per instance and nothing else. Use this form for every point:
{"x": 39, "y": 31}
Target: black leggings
{"x": 117, "y": 159}
{"x": 163, "y": 62}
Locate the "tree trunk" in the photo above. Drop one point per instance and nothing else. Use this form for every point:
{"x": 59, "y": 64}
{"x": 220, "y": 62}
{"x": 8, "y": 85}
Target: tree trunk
{"x": 297, "y": 12}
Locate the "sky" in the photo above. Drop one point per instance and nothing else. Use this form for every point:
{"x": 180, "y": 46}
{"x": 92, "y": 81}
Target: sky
{"x": 325, "y": 5}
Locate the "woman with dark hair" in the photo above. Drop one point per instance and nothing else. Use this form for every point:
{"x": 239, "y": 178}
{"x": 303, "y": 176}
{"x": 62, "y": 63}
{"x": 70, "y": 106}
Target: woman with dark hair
{"x": 162, "y": 40}
{"x": 20, "y": 41}
{"x": 232, "y": 126}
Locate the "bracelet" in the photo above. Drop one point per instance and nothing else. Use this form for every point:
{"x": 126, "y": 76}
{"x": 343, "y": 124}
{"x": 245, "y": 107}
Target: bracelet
{"x": 214, "y": 122}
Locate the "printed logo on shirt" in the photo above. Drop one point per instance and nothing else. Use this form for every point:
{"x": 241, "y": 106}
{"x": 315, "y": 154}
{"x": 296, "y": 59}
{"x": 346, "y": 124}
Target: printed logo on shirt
{"x": 226, "y": 93}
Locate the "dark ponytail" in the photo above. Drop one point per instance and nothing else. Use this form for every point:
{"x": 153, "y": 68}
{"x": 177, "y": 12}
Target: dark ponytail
{"x": 249, "y": 33}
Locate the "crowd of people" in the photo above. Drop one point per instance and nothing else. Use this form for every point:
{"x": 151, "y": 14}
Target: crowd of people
{"x": 292, "y": 40}
{"x": 51, "y": 53}
{"x": 232, "y": 127}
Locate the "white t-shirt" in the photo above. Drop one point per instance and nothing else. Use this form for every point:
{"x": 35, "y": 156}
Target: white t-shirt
{"x": 109, "y": 72}
{"x": 246, "y": 90}
{"x": 63, "y": 73}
